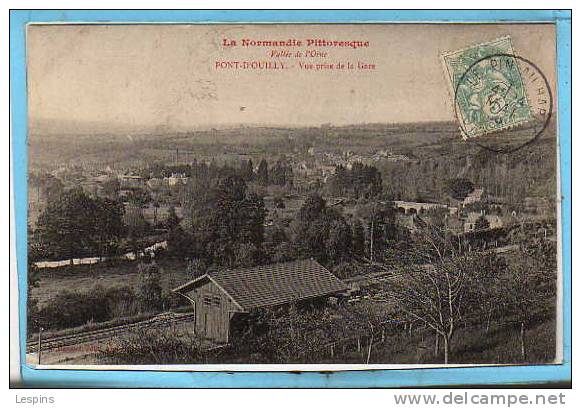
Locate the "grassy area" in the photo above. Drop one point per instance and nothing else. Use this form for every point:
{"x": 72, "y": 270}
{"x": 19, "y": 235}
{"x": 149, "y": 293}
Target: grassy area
{"x": 471, "y": 345}
{"x": 169, "y": 345}
{"x": 91, "y": 326}
{"x": 83, "y": 277}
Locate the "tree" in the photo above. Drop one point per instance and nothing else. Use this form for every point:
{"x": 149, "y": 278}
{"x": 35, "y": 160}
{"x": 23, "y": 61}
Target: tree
{"x": 312, "y": 208}
{"x": 358, "y": 239}
{"x": 111, "y": 187}
{"x": 277, "y": 174}
{"x": 281, "y": 173}
{"x": 262, "y": 175}
{"x": 172, "y": 220}
{"x": 33, "y": 281}
{"x": 48, "y": 186}
{"x": 247, "y": 170}
{"x": 196, "y": 268}
{"x": 444, "y": 285}
{"x": 109, "y": 225}
{"x": 321, "y": 232}
{"x": 181, "y": 244}
{"x": 339, "y": 244}
{"x": 284, "y": 252}
{"x": 481, "y": 224}
{"x": 361, "y": 181}
{"x": 304, "y": 334}
{"x": 227, "y": 217}
{"x": 458, "y": 188}
{"x": 528, "y": 290}
{"x": 76, "y": 225}
{"x": 139, "y": 197}
{"x": 380, "y": 222}
{"x": 149, "y": 292}
{"x": 246, "y": 255}
{"x": 279, "y": 202}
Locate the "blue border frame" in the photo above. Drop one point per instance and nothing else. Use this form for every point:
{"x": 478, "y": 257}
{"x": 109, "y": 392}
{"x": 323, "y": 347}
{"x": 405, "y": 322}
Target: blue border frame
{"x": 540, "y": 374}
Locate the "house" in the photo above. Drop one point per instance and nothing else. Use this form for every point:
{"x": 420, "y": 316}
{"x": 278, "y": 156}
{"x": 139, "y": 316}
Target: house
{"x": 222, "y": 297}
{"x": 130, "y": 181}
{"x": 176, "y": 179}
{"x": 474, "y": 197}
{"x": 494, "y": 221}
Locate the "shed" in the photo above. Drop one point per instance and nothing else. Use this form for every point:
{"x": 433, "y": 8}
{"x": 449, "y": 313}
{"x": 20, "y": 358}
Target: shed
{"x": 218, "y": 297}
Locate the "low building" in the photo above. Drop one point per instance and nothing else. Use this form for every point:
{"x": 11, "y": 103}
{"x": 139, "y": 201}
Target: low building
{"x": 410, "y": 207}
{"x": 474, "y": 197}
{"x": 176, "y": 179}
{"x": 219, "y": 298}
{"x": 129, "y": 181}
{"x": 494, "y": 221}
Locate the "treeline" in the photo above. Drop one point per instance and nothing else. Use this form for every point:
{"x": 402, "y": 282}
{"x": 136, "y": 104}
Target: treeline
{"x": 528, "y": 172}
{"x": 224, "y": 224}
{"x": 75, "y": 225}
{"x": 277, "y": 173}
{"x": 361, "y": 181}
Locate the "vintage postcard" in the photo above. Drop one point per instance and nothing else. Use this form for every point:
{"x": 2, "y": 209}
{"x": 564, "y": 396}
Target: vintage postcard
{"x": 273, "y": 196}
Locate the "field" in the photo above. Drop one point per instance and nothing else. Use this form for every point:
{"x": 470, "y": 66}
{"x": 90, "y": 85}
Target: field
{"x": 471, "y": 345}
{"x": 84, "y": 277}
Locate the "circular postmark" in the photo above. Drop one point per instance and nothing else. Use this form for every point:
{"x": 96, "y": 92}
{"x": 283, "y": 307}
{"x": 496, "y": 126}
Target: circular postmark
{"x": 503, "y": 102}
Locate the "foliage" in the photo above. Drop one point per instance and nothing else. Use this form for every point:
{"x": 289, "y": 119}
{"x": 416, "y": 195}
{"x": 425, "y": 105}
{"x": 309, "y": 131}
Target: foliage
{"x": 139, "y": 197}
{"x": 49, "y": 186}
{"x": 226, "y": 221}
{"x": 528, "y": 290}
{"x": 262, "y": 175}
{"x": 446, "y": 285}
{"x": 76, "y": 225}
{"x": 281, "y": 173}
{"x": 361, "y": 181}
{"x": 458, "y": 188}
{"x": 321, "y": 232}
{"x": 481, "y": 224}
{"x": 172, "y": 220}
{"x": 154, "y": 345}
{"x": 33, "y": 280}
{"x": 149, "y": 291}
{"x": 111, "y": 188}
{"x": 196, "y": 268}
{"x": 247, "y": 170}
{"x": 69, "y": 309}
{"x": 380, "y": 221}
{"x": 346, "y": 270}
{"x": 358, "y": 238}
{"x": 300, "y": 333}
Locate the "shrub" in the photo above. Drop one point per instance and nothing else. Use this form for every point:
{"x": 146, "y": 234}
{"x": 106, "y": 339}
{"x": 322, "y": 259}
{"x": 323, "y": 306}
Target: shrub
{"x": 69, "y": 309}
{"x": 149, "y": 292}
{"x": 154, "y": 345}
{"x": 171, "y": 300}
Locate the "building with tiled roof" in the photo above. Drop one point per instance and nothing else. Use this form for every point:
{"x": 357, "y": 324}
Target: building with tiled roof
{"x": 218, "y": 297}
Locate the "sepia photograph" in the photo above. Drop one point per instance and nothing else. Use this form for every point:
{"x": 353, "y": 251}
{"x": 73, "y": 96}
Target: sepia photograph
{"x": 261, "y": 195}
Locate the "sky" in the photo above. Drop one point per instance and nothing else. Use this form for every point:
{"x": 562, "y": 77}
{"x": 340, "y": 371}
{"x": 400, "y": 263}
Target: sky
{"x": 165, "y": 75}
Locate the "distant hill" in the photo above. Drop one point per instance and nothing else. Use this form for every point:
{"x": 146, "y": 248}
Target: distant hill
{"x": 52, "y": 142}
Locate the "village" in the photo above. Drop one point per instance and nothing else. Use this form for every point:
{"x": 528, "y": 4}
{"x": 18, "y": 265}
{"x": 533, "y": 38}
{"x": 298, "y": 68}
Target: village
{"x": 299, "y": 256}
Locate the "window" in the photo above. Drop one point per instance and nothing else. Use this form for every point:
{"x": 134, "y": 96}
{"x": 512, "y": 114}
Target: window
{"x": 211, "y": 300}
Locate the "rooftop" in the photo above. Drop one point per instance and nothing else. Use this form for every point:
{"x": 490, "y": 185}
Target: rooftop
{"x": 274, "y": 284}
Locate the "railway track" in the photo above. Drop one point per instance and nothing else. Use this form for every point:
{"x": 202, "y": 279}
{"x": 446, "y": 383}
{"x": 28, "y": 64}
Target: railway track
{"x": 56, "y": 342}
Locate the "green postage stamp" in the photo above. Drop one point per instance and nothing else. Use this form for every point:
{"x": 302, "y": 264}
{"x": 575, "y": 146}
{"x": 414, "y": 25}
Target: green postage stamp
{"x": 487, "y": 87}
